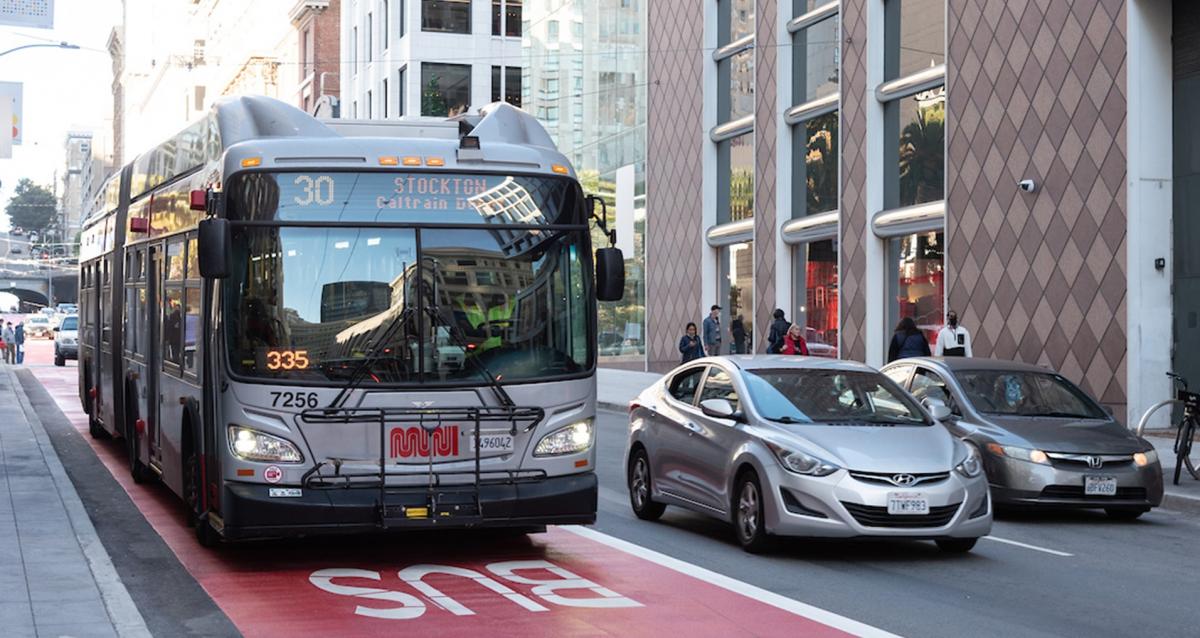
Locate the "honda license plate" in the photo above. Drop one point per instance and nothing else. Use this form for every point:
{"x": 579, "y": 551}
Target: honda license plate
{"x": 905, "y": 503}
{"x": 1099, "y": 486}
{"x": 493, "y": 443}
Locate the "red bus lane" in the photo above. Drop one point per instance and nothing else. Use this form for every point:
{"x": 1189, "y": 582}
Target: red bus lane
{"x": 566, "y": 582}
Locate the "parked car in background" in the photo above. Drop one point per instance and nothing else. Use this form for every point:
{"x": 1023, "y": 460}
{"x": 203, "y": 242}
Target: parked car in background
{"x": 50, "y": 316}
{"x": 38, "y": 326}
{"x": 16, "y": 232}
{"x": 66, "y": 309}
{"x": 1044, "y": 441}
{"x": 66, "y": 340}
{"x": 802, "y": 447}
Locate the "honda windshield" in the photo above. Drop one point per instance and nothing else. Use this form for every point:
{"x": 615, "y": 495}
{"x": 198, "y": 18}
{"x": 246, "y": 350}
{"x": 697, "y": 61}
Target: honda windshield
{"x": 1022, "y": 393}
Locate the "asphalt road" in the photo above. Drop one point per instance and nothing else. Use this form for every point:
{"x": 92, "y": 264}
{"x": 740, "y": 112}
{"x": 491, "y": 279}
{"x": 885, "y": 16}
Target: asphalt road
{"x": 1115, "y": 579}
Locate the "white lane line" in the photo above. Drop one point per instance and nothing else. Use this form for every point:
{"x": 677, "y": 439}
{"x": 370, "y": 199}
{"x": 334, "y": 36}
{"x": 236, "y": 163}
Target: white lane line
{"x": 736, "y": 586}
{"x": 1053, "y": 552}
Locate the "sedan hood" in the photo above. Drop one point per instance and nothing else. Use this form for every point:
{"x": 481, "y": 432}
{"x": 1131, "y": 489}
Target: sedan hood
{"x": 1090, "y": 436}
{"x": 864, "y": 448}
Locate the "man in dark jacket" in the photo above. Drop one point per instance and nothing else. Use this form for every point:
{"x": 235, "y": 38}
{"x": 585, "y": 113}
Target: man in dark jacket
{"x": 779, "y": 328}
{"x": 19, "y": 333}
{"x": 712, "y": 331}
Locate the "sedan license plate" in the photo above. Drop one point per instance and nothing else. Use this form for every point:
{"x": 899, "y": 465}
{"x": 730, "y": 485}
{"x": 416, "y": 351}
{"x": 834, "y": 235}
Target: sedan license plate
{"x": 493, "y": 443}
{"x": 1099, "y": 486}
{"x": 907, "y": 503}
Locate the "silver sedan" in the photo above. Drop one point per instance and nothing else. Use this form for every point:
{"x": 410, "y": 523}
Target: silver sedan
{"x": 802, "y": 447}
{"x": 1044, "y": 441}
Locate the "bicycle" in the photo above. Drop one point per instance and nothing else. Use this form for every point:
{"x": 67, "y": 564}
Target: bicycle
{"x": 1187, "y": 428}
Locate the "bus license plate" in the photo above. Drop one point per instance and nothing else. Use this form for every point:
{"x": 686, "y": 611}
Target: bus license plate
{"x": 906, "y": 503}
{"x": 1099, "y": 486}
{"x": 493, "y": 443}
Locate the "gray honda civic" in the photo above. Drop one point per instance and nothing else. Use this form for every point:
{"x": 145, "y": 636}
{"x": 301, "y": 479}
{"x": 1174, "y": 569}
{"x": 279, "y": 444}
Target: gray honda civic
{"x": 1043, "y": 440}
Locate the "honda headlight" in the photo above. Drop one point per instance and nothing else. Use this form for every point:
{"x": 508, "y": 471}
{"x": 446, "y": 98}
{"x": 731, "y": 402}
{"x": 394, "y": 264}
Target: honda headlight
{"x": 571, "y": 439}
{"x": 251, "y": 445}
{"x": 1019, "y": 453}
{"x": 1142, "y": 459}
{"x": 801, "y": 463}
{"x": 971, "y": 466}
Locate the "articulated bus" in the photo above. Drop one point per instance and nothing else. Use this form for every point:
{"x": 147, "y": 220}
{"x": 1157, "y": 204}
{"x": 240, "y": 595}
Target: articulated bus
{"x": 304, "y": 327}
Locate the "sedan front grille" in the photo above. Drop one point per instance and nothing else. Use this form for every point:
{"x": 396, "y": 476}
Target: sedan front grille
{"x": 890, "y": 478}
{"x": 1076, "y": 492}
{"x": 869, "y": 516}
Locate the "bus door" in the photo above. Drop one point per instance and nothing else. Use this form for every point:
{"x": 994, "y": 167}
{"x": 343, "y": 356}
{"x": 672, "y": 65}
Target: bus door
{"x": 154, "y": 358}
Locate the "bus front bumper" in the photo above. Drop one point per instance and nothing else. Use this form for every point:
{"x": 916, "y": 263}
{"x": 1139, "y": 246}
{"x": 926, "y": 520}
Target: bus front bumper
{"x": 248, "y": 510}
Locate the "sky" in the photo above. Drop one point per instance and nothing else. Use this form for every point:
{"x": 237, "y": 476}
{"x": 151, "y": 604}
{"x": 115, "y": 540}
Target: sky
{"x": 64, "y": 90}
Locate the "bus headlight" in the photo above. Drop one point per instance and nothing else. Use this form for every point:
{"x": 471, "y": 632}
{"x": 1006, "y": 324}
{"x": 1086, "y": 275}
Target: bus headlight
{"x": 573, "y": 438}
{"x": 251, "y": 445}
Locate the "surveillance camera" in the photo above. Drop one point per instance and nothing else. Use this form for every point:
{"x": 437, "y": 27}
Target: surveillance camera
{"x": 1027, "y": 185}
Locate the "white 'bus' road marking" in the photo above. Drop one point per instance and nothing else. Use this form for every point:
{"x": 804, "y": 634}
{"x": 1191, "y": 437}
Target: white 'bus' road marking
{"x": 736, "y": 586}
{"x": 1035, "y": 548}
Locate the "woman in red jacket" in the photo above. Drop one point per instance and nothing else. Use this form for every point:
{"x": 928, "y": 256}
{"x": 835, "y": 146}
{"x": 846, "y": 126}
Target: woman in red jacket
{"x": 793, "y": 342}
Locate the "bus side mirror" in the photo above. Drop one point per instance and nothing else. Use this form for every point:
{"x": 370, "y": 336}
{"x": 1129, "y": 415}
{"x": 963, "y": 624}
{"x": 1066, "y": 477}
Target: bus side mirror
{"x": 215, "y": 240}
{"x": 610, "y": 274}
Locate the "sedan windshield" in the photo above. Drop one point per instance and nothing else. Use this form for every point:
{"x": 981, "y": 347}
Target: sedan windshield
{"x": 831, "y": 396}
{"x": 1020, "y": 393}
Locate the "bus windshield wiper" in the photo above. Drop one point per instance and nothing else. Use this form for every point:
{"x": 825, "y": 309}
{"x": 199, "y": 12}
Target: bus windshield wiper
{"x": 377, "y": 352}
{"x": 435, "y": 316}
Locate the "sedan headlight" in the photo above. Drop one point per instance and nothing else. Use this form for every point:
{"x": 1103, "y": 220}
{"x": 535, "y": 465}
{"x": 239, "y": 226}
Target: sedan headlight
{"x": 251, "y": 445}
{"x": 971, "y": 466}
{"x": 1142, "y": 459}
{"x": 571, "y": 439}
{"x": 801, "y": 463}
{"x": 1019, "y": 453}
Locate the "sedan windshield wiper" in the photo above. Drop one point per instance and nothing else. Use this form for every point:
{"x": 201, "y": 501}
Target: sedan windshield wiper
{"x": 889, "y": 420}
{"x": 786, "y": 419}
{"x": 1061, "y": 415}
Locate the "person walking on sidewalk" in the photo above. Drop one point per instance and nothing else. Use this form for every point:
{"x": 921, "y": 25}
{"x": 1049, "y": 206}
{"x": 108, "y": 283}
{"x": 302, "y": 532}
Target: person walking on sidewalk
{"x": 908, "y": 341}
{"x": 689, "y": 344}
{"x": 794, "y": 343}
{"x": 10, "y": 343}
{"x": 737, "y": 328}
{"x": 19, "y": 334}
{"x": 712, "y": 331}
{"x": 779, "y": 329}
{"x": 953, "y": 340}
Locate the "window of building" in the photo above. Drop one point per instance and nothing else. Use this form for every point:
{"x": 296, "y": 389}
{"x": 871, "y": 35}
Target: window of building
{"x": 511, "y": 91}
{"x": 915, "y": 36}
{"x": 383, "y": 24}
{"x": 401, "y": 86}
{"x": 917, "y": 282}
{"x": 815, "y": 60}
{"x": 400, "y": 18}
{"x": 814, "y": 161}
{"x": 369, "y": 40}
{"x": 446, "y": 16}
{"x": 552, "y": 30}
{"x": 511, "y": 19}
{"x": 307, "y": 55}
{"x": 445, "y": 89}
{"x": 737, "y": 283}
{"x": 370, "y": 103}
{"x": 735, "y": 110}
{"x": 354, "y": 49}
{"x": 916, "y": 171}
{"x": 816, "y": 296}
{"x": 740, "y": 189}
{"x": 383, "y": 99}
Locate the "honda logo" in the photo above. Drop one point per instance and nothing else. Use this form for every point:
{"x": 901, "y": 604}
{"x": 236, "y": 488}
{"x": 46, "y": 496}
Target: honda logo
{"x": 903, "y": 479}
{"x": 1095, "y": 462}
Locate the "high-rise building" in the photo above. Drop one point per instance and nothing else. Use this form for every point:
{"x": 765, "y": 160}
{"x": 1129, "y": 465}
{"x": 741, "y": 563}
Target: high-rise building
{"x": 428, "y": 58}
{"x": 76, "y": 180}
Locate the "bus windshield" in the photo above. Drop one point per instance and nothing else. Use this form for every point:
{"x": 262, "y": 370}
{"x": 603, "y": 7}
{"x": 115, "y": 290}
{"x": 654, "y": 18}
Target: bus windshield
{"x": 410, "y": 305}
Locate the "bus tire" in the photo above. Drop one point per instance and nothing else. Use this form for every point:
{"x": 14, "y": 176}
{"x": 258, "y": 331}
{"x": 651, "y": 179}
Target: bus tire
{"x": 94, "y": 427}
{"x": 140, "y": 472}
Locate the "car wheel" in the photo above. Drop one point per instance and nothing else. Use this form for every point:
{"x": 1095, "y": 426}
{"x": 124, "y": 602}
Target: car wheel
{"x": 639, "y": 488}
{"x": 956, "y": 545}
{"x": 59, "y": 360}
{"x": 748, "y": 515}
{"x": 1125, "y": 513}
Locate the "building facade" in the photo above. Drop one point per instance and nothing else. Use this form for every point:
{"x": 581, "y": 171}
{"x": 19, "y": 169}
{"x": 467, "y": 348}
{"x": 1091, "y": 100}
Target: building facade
{"x": 858, "y": 162}
{"x": 318, "y": 26}
{"x": 77, "y": 178}
{"x": 428, "y": 58}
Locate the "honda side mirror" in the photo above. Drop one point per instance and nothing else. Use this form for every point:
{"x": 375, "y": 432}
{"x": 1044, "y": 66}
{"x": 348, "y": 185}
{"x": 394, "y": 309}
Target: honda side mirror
{"x": 215, "y": 240}
{"x": 610, "y": 274}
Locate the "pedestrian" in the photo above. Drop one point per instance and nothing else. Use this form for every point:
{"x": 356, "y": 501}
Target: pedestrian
{"x": 712, "y": 331}
{"x": 793, "y": 341}
{"x": 779, "y": 329}
{"x": 10, "y": 343}
{"x": 908, "y": 341}
{"x": 953, "y": 340}
{"x": 19, "y": 334}
{"x": 689, "y": 344}
{"x": 737, "y": 328}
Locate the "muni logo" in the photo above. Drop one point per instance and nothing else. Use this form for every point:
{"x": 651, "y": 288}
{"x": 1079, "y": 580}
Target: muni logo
{"x": 415, "y": 441}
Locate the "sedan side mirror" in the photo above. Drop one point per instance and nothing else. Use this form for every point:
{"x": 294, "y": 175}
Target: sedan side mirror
{"x": 937, "y": 409}
{"x": 1108, "y": 409}
{"x": 718, "y": 409}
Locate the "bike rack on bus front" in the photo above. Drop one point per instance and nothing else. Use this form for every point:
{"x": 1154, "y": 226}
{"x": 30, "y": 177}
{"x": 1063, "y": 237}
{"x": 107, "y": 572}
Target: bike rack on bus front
{"x": 437, "y": 501}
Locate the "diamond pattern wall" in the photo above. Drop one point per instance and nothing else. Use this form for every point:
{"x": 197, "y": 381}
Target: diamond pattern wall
{"x": 852, "y": 267}
{"x": 766, "y": 17}
{"x": 1037, "y": 90}
{"x": 675, "y": 139}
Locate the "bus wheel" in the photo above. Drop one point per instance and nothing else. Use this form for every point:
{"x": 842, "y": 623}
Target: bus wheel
{"x": 140, "y": 472}
{"x": 94, "y": 428}
{"x": 193, "y": 488}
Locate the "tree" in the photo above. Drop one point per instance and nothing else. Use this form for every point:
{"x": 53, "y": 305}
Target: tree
{"x": 433, "y": 102}
{"x": 32, "y": 207}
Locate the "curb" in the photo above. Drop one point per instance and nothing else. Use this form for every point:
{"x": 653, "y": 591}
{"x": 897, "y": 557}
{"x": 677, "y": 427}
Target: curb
{"x": 126, "y": 620}
{"x": 1181, "y": 503}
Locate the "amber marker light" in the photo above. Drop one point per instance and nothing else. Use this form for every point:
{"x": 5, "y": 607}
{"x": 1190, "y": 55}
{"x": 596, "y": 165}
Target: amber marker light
{"x": 411, "y": 161}
{"x": 434, "y": 161}
{"x": 560, "y": 169}
{"x": 251, "y": 162}
{"x": 389, "y": 160}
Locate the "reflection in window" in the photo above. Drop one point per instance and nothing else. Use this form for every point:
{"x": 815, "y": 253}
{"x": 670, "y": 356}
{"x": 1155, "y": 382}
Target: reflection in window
{"x": 741, "y": 85}
{"x": 193, "y": 258}
{"x": 191, "y": 329}
{"x": 915, "y": 36}
{"x": 172, "y": 326}
{"x": 445, "y": 89}
{"x": 921, "y": 121}
{"x": 737, "y": 320}
{"x": 815, "y": 56}
{"x": 741, "y": 177}
{"x": 916, "y": 264}
{"x": 512, "y": 18}
{"x": 446, "y": 16}
{"x": 719, "y": 385}
{"x": 512, "y": 85}
{"x": 817, "y": 296}
{"x": 175, "y": 264}
{"x": 815, "y": 165}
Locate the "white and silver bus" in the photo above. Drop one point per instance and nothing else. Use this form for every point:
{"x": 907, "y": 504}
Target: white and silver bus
{"x": 306, "y": 327}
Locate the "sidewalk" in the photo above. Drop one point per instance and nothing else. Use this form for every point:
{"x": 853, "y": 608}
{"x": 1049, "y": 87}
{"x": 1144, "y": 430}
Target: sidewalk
{"x": 616, "y": 388}
{"x": 56, "y": 579}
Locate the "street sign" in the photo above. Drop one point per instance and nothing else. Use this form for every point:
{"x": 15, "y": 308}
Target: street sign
{"x": 35, "y": 14}
{"x": 11, "y": 92}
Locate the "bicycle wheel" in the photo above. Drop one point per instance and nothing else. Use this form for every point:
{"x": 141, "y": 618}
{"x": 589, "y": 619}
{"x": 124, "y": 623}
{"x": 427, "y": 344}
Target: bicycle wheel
{"x": 1181, "y": 453}
{"x": 1188, "y": 452}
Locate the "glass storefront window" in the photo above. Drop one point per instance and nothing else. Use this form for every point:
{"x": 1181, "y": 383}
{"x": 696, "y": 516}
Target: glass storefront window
{"x": 815, "y": 165}
{"x": 446, "y": 16}
{"x": 741, "y": 177}
{"x": 445, "y": 89}
{"x": 921, "y": 149}
{"x": 737, "y": 315}
{"x": 817, "y": 296}
{"x": 512, "y": 85}
{"x": 915, "y": 36}
{"x": 511, "y": 20}
{"x": 917, "y": 282}
{"x": 815, "y": 61}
